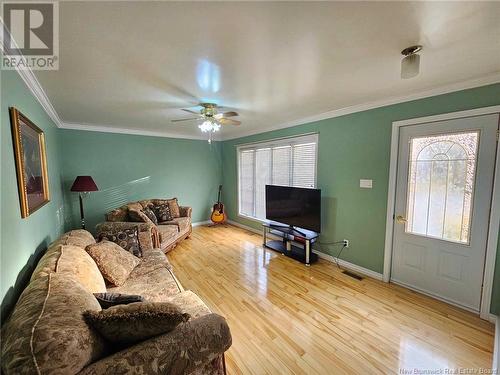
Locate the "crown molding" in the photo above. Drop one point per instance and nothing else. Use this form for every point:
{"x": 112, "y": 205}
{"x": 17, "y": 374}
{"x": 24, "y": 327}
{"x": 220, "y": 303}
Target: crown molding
{"x": 116, "y": 130}
{"x": 38, "y": 92}
{"x": 468, "y": 84}
{"x": 33, "y": 84}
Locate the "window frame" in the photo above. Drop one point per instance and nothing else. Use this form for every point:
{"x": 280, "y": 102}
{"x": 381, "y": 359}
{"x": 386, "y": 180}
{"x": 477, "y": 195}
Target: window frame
{"x": 276, "y": 142}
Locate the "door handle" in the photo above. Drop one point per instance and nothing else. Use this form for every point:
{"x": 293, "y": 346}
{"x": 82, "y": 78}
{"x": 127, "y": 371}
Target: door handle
{"x": 401, "y": 219}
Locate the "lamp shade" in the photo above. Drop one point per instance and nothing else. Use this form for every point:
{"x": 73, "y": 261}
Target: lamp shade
{"x": 84, "y": 183}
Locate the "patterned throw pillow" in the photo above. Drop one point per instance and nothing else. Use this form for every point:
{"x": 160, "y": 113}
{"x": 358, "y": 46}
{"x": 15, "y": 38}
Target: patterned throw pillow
{"x": 162, "y": 212}
{"x": 151, "y": 215}
{"x": 126, "y": 238}
{"x": 115, "y": 263}
{"x": 174, "y": 207}
{"x": 128, "y": 324}
{"x": 137, "y": 216}
{"x": 107, "y": 300}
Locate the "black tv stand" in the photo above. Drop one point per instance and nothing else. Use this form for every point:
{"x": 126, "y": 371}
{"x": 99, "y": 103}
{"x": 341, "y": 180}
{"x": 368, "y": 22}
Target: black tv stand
{"x": 290, "y": 228}
{"x": 288, "y": 234}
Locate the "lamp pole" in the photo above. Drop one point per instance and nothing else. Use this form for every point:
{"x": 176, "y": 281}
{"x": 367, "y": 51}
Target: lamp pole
{"x": 83, "y": 185}
{"x": 82, "y": 216}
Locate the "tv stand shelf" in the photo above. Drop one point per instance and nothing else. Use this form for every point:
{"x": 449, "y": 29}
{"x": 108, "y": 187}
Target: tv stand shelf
{"x": 288, "y": 235}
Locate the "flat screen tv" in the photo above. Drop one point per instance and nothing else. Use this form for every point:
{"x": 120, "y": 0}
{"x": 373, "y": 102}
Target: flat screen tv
{"x": 296, "y": 207}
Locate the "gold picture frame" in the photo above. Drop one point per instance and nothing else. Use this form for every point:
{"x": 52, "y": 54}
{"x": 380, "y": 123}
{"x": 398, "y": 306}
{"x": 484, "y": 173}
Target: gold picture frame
{"x": 31, "y": 163}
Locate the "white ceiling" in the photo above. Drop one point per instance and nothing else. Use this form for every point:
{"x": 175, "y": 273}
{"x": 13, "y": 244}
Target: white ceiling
{"x": 132, "y": 65}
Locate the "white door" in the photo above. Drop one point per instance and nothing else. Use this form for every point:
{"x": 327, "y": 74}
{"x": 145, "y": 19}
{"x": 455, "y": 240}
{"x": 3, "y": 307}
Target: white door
{"x": 443, "y": 201}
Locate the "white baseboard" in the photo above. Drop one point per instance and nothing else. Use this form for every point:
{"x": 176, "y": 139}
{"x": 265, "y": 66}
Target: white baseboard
{"x": 343, "y": 263}
{"x": 350, "y": 266}
{"x": 199, "y": 223}
{"x": 496, "y": 351}
{"x": 242, "y": 226}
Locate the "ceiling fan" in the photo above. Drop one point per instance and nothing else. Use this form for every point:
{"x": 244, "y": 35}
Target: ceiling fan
{"x": 211, "y": 118}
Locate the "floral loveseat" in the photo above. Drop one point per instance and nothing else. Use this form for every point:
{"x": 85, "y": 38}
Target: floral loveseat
{"x": 47, "y": 333}
{"x": 166, "y": 235}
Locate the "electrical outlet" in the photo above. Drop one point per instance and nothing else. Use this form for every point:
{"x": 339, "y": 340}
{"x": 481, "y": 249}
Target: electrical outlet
{"x": 346, "y": 242}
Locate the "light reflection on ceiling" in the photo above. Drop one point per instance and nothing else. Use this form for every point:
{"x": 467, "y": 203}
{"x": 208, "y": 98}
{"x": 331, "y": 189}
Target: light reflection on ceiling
{"x": 208, "y": 76}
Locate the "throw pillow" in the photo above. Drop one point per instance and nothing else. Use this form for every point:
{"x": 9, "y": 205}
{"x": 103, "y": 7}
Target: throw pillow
{"x": 162, "y": 212}
{"x": 128, "y": 324}
{"x": 115, "y": 263}
{"x": 126, "y": 238}
{"x": 174, "y": 207}
{"x": 151, "y": 215}
{"x": 107, "y": 300}
{"x": 139, "y": 216}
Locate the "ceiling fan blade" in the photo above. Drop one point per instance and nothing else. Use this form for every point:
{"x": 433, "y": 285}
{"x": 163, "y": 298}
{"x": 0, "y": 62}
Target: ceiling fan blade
{"x": 188, "y": 110}
{"x": 228, "y": 121}
{"x": 185, "y": 119}
{"x": 226, "y": 114}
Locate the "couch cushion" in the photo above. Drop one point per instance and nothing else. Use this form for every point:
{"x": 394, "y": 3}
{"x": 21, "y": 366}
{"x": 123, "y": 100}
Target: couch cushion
{"x": 154, "y": 284}
{"x": 182, "y": 223}
{"x": 191, "y": 304}
{"x": 114, "y": 262}
{"x": 72, "y": 261}
{"x": 153, "y": 259}
{"x": 168, "y": 233}
{"x": 48, "y": 262}
{"x": 46, "y": 333}
{"x": 77, "y": 264}
{"x": 138, "y": 321}
{"x": 77, "y": 237}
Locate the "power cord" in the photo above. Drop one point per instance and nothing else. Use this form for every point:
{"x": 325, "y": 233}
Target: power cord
{"x": 339, "y": 252}
{"x": 338, "y": 255}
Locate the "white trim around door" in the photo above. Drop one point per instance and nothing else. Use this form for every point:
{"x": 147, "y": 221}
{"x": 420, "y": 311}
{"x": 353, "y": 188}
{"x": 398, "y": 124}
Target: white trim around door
{"x": 494, "y": 222}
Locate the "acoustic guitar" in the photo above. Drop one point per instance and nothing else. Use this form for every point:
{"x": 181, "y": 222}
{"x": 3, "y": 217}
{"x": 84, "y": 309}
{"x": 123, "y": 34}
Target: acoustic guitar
{"x": 218, "y": 215}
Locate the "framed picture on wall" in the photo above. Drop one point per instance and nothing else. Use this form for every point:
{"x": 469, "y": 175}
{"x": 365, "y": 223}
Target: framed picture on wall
{"x": 31, "y": 163}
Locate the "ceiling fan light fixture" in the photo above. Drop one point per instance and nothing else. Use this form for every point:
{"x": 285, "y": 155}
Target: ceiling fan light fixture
{"x": 410, "y": 64}
{"x": 205, "y": 126}
{"x": 209, "y": 126}
{"x": 209, "y": 119}
{"x": 215, "y": 127}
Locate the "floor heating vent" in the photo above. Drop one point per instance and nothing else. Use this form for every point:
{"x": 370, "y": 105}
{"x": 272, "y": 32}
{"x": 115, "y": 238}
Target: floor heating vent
{"x": 353, "y": 275}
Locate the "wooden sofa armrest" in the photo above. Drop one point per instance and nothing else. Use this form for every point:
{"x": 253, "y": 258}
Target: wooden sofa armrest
{"x": 185, "y": 211}
{"x": 148, "y": 233}
{"x": 189, "y": 346}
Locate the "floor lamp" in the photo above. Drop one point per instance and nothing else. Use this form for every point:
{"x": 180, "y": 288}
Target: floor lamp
{"x": 83, "y": 185}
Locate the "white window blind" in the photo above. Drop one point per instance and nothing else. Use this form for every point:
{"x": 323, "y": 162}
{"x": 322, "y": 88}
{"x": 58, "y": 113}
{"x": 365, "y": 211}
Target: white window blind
{"x": 286, "y": 162}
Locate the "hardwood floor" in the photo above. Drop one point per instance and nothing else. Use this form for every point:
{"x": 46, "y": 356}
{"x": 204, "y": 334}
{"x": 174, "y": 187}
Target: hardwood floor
{"x": 286, "y": 318}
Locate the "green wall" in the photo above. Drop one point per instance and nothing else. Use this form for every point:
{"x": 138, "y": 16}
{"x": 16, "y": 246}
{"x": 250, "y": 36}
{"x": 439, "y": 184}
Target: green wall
{"x": 352, "y": 147}
{"x": 24, "y": 240}
{"x": 128, "y": 167}
{"x": 131, "y": 167}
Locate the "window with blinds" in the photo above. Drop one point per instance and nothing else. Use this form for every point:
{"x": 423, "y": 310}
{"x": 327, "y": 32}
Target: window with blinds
{"x": 286, "y": 162}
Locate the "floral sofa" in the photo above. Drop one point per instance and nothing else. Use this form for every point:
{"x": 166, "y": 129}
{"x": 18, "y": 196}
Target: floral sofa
{"x": 47, "y": 334}
{"x": 166, "y": 235}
